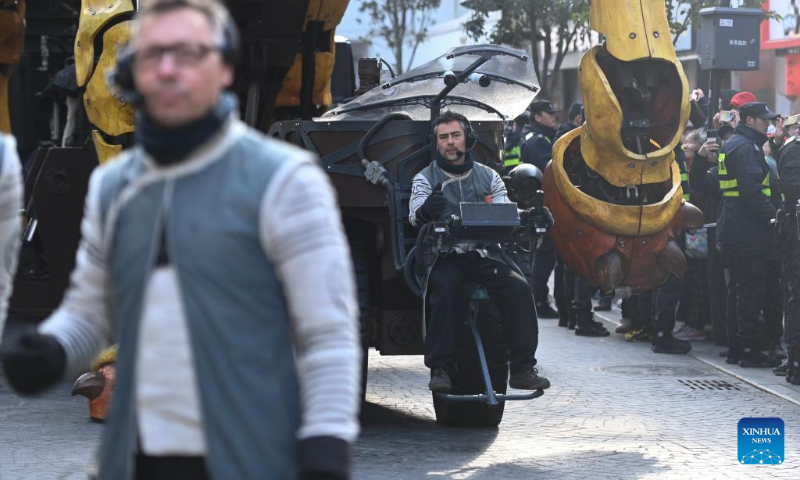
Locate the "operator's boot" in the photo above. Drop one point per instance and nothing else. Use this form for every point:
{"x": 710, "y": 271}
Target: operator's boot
{"x": 587, "y": 326}
{"x": 793, "y": 372}
{"x": 664, "y": 342}
{"x": 753, "y": 358}
{"x": 528, "y": 380}
{"x": 440, "y": 381}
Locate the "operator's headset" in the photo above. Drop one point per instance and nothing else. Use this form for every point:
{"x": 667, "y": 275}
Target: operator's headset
{"x": 122, "y": 76}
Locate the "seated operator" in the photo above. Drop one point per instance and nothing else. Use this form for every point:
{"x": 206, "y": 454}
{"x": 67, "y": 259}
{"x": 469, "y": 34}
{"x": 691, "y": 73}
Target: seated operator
{"x": 436, "y": 191}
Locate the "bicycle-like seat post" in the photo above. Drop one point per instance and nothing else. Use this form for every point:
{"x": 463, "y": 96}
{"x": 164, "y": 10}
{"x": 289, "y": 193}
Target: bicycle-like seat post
{"x": 473, "y": 326}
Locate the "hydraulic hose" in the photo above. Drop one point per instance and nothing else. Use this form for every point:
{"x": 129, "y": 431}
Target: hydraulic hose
{"x": 391, "y": 189}
{"x": 362, "y": 145}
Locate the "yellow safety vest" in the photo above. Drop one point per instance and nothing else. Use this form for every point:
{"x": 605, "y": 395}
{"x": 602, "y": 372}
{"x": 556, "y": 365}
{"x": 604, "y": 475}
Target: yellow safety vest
{"x": 730, "y": 187}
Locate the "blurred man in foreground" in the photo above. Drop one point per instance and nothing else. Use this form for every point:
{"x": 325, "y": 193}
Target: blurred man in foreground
{"x": 217, "y": 259}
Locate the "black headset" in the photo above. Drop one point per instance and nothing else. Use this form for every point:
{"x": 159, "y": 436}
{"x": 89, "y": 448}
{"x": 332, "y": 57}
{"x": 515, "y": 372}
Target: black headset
{"x": 122, "y": 75}
{"x": 469, "y": 134}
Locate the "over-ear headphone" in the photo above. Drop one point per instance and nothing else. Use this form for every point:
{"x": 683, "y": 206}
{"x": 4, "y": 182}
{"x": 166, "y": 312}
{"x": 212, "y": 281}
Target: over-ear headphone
{"x": 231, "y": 43}
{"x": 469, "y": 134}
{"x": 122, "y": 75}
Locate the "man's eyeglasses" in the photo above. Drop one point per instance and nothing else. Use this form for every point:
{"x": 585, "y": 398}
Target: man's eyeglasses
{"x": 182, "y": 54}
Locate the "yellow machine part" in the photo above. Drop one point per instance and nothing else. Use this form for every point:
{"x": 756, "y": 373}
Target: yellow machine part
{"x": 105, "y": 110}
{"x": 109, "y": 355}
{"x": 94, "y": 16}
{"x": 601, "y": 143}
{"x": 105, "y": 151}
{"x": 12, "y": 34}
{"x": 617, "y": 219}
{"x": 289, "y": 95}
{"x": 634, "y": 29}
{"x": 12, "y": 41}
{"x": 330, "y": 12}
{"x": 5, "y": 117}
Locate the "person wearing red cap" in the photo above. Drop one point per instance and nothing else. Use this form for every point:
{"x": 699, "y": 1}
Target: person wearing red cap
{"x": 742, "y": 98}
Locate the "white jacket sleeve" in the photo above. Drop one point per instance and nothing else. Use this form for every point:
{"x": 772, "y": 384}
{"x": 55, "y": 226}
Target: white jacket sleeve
{"x": 302, "y": 234}
{"x": 499, "y": 194}
{"x": 81, "y": 324}
{"x": 10, "y": 222}
{"x": 420, "y": 191}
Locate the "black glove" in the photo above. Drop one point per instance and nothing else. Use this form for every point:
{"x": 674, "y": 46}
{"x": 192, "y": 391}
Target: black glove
{"x": 324, "y": 458}
{"x": 434, "y": 205}
{"x": 32, "y": 362}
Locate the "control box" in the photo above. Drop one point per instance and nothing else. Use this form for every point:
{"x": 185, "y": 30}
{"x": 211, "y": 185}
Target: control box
{"x": 729, "y": 38}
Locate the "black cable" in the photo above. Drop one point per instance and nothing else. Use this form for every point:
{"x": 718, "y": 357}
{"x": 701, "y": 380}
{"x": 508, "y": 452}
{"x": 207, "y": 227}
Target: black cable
{"x": 391, "y": 188}
{"x": 389, "y": 67}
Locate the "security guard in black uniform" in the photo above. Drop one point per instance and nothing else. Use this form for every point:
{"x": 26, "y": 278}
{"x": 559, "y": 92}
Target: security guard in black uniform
{"x": 513, "y": 143}
{"x": 788, "y": 239}
{"x": 744, "y": 227}
{"x": 537, "y": 149}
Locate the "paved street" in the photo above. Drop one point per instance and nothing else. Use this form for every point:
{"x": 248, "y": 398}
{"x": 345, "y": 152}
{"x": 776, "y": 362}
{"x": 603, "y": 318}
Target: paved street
{"x": 615, "y": 410}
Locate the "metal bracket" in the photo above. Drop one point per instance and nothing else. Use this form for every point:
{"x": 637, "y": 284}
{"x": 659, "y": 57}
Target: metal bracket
{"x": 374, "y": 172}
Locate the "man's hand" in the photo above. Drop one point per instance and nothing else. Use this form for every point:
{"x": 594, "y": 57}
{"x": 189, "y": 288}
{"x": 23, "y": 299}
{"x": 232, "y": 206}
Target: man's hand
{"x": 32, "y": 362}
{"x": 434, "y": 205}
{"x": 780, "y": 135}
{"x": 711, "y": 146}
{"x": 697, "y": 94}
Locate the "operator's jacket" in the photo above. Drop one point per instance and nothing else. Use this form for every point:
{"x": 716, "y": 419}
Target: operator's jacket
{"x": 265, "y": 284}
{"x": 472, "y": 182}
{"x": 537, "y": 145}
{"x": 746, "y": 209}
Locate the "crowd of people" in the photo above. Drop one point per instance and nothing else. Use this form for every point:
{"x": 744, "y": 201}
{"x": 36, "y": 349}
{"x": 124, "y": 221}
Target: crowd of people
{"x": 740, "y": 285}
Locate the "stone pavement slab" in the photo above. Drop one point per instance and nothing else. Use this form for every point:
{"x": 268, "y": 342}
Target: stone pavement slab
{"x": 708, "y": 353}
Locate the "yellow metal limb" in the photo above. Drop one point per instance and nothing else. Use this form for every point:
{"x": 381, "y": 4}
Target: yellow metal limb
{"x": 105, "y": 151}
{"x": 106, "y": 110}
{"x": 5, "y": 118}
{"x": 95, "y": 15}
{"x": 634, "y": 29}
{"x": 617, "y": 219}
{"x": 12, "y": 42}
{"x": 330, "y": 12}
{"x": 602, "y": 145}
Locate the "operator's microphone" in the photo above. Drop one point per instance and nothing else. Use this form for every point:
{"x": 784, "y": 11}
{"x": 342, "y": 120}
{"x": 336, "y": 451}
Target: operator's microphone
{"x": 460, "y": 153}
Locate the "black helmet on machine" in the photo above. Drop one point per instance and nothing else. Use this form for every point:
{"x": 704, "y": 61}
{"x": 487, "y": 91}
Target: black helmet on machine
{"x": 525, "y": 181}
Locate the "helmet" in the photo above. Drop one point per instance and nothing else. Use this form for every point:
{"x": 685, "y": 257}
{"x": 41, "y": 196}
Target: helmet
{"x": 525, "y": 181}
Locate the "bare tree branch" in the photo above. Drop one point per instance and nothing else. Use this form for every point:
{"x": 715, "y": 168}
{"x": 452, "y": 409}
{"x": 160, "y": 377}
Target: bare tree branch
{"x": 401, "y": 24}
